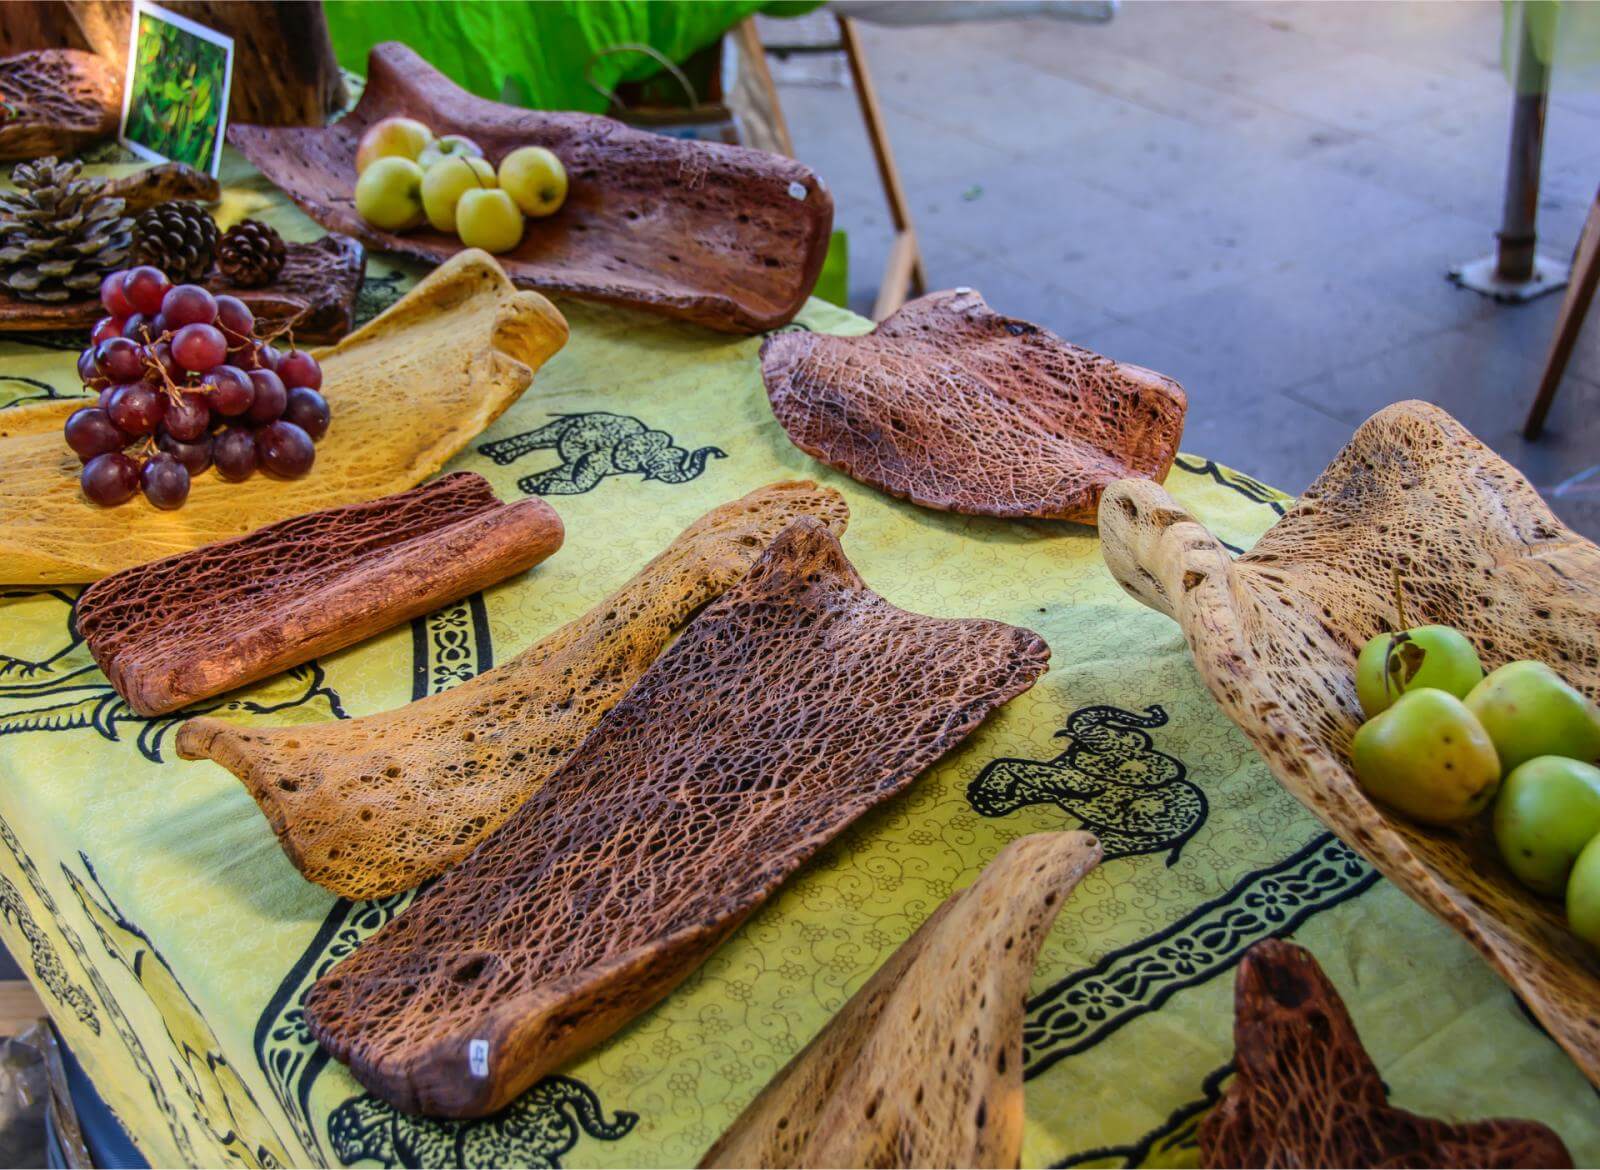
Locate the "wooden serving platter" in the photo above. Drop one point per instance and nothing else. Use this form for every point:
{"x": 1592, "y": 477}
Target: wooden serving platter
{"x": 1275, "y": 634}
{"x": 721, "y": 235}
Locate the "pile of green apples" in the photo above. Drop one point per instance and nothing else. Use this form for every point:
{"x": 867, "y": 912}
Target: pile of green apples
{"x": 1443, "y": 742}
{"x": 406, "y": 177}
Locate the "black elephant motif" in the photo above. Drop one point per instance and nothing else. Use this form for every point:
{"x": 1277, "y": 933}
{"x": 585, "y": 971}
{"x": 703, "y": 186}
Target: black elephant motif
{"x": 595, "y": 445}
{"x": 1134, "y": 798}
{"x": 534, "y": 1130}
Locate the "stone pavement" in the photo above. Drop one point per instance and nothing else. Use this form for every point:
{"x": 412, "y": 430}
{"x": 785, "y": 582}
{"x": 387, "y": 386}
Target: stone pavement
{"x": 1258, "y": 199}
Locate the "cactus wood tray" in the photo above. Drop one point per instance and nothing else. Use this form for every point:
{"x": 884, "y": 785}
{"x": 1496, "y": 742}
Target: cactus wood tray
{"x": 880, "y": 1085}
{"x": 728, "y": 237}
{"x": 952, "y": 406}
{"x": 448, "y": 358}
{"x": 369, "y": 807}
{"x": 791, "y": 706}
{"x": 1275, "y": 635}
{"x": 1305, "y": 1092}
{"x": 56, "y": 101}
{"x": 315, "y": 294}
{"x": 175, "y": 631}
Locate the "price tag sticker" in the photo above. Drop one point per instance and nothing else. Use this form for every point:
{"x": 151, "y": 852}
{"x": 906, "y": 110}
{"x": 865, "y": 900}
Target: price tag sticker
{"x": 797, "y": 190}
{"x": 478, "y": 1057}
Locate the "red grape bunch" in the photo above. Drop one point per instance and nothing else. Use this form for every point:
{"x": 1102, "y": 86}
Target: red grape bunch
{"x": 184, "y": 381}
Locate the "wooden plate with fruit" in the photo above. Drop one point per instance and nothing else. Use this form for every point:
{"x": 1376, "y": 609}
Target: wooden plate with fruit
{"x": 1277, "y": 632}
{"x": 205, "y": 435}
{"x": 727, "y": 237}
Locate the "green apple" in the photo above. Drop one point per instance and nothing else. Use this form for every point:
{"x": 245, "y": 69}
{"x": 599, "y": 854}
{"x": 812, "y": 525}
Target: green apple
{"x": 389, "y": 194}
{"x": 535, "y": 178}
{"x": 1428, "y": 656}
{"x": 1583, "y": 895}
{"x": 1529, "y": 710}
{"x": 1548, "y": 810}
{"x": 486, "y": 218}
{"x": 450, "y": 146}
{"x": 1427, "y": 757}
{"x": 444, "y": 183}
{"x": 392, "y": 138}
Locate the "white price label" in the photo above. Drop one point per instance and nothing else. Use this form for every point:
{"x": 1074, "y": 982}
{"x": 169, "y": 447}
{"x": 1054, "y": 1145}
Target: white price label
{"x": 478, "y": 1057}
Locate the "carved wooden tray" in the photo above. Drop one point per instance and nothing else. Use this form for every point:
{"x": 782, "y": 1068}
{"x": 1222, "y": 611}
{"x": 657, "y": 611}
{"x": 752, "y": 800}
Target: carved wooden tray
{"x": 172, "y": 632}
{"x": 729, "y": 237}
{"x": 315, "y": 293}
{"x": 880, "y": 1085}
{"x": 369, "y": 807}
{"x": 952, "y": 406}
{"x": 791, "y": 706}
{"x": 447, "y": 358}
{"x": 1275, "y": 635}
{"x": 1305, "y": 1092}
{"x": 56, "y": 101}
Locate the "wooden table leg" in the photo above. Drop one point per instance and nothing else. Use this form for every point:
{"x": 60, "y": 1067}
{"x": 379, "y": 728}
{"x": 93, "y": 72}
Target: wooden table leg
{"x": 1574, "y": 306}
{"x": 904, "y": 273}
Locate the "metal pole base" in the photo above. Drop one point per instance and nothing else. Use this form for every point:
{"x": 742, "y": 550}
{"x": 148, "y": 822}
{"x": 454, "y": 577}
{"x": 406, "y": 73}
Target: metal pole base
{"x": 1482, "y": 276}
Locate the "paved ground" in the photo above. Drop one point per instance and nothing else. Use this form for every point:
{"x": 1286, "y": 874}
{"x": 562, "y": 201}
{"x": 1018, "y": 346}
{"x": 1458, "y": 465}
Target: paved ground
{"x": 1258, "y": 199}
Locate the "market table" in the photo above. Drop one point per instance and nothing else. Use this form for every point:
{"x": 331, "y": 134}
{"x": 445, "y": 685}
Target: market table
{"x": 173, "y": 942}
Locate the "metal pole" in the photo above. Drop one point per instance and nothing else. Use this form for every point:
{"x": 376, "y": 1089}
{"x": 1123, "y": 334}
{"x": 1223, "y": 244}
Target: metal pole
{"x": 1514, "y": 271}
{"x": 1517, "y": 233}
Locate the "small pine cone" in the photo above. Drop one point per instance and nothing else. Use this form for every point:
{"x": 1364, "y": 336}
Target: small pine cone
{"x": 251, "y": 254}
{"x": 179, "y": 238}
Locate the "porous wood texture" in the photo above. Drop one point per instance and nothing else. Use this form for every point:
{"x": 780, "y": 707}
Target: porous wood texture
{"x": 369, "y": 807}
{"x": 952, "y": 406}
{"x": 1305, "y": 1092}
{"x": 728, "y": 237}
{"x": 163, "y": 183}
{"x": 1275, "y": 634}
{"x": 315, "y": 294}
{"x": 181, "y": 629}
{"x": 56, "y": 101}
{"x": 447, "y": 359}
{"x": 793, "y": 704}
{"x": 923, "y": 1067}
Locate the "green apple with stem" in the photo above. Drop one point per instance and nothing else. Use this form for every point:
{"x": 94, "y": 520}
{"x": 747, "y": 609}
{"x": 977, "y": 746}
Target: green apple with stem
{"x": 487, "y": 218}
{"x": 535, "y": 178}
{"x": 1547, "y": 811}
{"x": 1428, "y": 757}
{"x": 1424, "y": 656}
{"x": 392, "y": 138}
{"x": 389, "y": 194}
{"x": 1529, "y": 710}
{"x": 444, "y": 183}
{"x": 448, "y": 146}
{"x": 1583, "y": 895}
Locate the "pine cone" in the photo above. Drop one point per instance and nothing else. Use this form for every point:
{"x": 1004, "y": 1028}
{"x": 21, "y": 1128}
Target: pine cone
{"x": 251, "y": 254}
{"x": 177, "y": 237}
{"x": 59, "y": 234}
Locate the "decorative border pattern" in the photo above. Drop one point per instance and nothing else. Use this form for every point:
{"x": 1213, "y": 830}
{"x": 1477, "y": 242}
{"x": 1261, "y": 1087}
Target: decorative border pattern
{"x": 1090, "y": 1004}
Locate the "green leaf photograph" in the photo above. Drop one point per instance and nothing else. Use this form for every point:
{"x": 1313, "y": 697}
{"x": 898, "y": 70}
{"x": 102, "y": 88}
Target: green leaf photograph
{"x": 178, "y": 89}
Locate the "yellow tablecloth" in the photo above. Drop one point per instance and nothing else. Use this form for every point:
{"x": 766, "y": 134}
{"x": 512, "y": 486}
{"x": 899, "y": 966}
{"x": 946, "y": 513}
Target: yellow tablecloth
{"x": 173, "y": 942}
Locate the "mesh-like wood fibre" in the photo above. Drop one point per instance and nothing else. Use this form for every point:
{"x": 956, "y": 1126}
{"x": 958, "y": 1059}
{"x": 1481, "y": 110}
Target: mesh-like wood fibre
{"x": 794, "y": 704}
{"x": 368, "y": 807}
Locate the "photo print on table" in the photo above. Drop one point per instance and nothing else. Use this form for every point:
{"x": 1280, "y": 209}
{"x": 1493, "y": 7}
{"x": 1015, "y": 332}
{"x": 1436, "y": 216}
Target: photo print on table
{"x": 175, "y": 98}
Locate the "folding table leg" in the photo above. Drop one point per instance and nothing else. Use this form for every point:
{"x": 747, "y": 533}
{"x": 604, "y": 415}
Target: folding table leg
{"x": 1575, "y": 305}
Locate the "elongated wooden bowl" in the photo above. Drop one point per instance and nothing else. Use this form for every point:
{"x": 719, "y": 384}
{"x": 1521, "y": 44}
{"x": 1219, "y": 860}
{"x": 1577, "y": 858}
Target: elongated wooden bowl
{"x": 1275, "y": 634}
{"x": 728, "y": 237}
{"x": 445, "y": 360}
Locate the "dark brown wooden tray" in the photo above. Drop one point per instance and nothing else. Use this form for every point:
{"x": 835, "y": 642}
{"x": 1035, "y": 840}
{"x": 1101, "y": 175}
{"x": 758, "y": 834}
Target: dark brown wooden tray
{"x": 316, "y": 291}
{"x": 728, "y": 237}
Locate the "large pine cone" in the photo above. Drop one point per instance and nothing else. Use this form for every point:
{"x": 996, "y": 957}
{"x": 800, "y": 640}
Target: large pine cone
{"x": 59, "y": 234}
{"x": 178, "y": 238}
{"x": 251, "y": 254}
